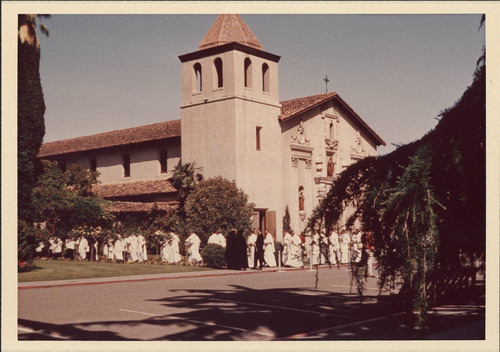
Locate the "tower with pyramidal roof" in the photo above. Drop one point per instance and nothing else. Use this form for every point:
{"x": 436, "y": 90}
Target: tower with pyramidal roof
{"x": 230, "y": 111}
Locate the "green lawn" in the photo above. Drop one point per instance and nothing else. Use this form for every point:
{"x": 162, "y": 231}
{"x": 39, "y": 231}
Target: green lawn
{"x": 48, "y": 270}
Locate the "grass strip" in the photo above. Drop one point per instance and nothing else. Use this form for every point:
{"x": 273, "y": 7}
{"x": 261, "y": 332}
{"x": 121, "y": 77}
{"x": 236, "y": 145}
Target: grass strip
{"x": 49, "y": 270}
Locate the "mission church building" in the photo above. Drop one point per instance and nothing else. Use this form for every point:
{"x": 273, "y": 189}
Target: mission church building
{"x": 232, "y": 124}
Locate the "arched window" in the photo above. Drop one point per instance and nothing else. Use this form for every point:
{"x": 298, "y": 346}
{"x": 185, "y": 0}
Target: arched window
{"x": 332, "y": 131}
{"x": 301, "y": 198}
{"x": 197, "y": 77}
{"x": 265, "y": 77}
{"x": 248, "y": 73}
{"x": 218, "y": 72}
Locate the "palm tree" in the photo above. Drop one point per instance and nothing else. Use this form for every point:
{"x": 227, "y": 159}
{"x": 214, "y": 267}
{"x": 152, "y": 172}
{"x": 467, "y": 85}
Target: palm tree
{"x": 27, "y": 28}
{"x": 185, "y": 178}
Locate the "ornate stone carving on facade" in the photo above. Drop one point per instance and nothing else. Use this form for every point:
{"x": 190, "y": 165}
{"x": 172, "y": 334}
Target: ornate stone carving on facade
{"x": 323, "y": 185}
{"x": 319, "y": 164}
{"x": 308, "y": 163}
{"x": 330, "y": 130}
{"x": 300, "y": 137}
{"x": 302, "y": 215}
{"x": 295, "y": 161}
{"x": 357, "y": 148}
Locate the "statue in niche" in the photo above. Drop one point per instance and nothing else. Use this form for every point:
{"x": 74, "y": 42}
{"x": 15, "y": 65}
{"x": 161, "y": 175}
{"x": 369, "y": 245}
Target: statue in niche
{"x": 301, "y": 198}
{"x": 357, "y": 144}
{"x": 330, "y": 168}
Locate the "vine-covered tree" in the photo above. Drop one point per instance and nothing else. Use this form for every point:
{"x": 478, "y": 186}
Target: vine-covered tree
{"x": 425, "y": 201}
{"x": 217, "y": 203}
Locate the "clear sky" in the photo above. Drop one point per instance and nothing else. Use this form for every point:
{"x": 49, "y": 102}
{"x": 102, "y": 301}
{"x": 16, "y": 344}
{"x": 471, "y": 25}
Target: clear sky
{"x": 398, "y": 72}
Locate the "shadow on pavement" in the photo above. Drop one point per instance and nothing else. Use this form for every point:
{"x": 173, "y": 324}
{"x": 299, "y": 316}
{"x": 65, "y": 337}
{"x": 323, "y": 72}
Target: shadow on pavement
{"x": 242, "y": 313}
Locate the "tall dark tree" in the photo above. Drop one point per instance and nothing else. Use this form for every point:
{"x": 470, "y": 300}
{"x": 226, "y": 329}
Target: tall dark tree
{"x": 286, "y": 220}
{"x": 31, "y": 109}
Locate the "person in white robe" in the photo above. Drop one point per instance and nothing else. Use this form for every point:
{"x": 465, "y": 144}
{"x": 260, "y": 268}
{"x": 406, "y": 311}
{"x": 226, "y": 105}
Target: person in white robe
{"x": 252, "y": 238}
{"x": 217, "y": 238}
{"x": 134, "y": 252}
{"x": 70, "y": 244}
{"x": 119, "y": 248}
{"x": 286, "y": 248}
{"x": 83, "y": 248}
{"x": 295, "y": 251}
{"x": 345, "y": 241}
{"x": 58, "y": 247}
{"x": 334, "y": 247}
{"x": 108, "y": 250}
{"x": 323, "y": 247}
{"x": 96, "y": 246}
{"x": 193, "y": 248}
{"x": 105, "y": 250}
{"x": 164, "y": 245}
{"x": 171, "y": 252}
{"x": 39, "y": 249}
{"x": 52, "y": 245}
{"x": 142, "y": 252}
{"x": 269, "y": 250}
{"x": 315, "y": 249}
{"x": 357, "y": 246}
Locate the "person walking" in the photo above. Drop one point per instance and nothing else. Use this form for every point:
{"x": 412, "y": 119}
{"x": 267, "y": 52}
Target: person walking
{"x": 333, "y": 249}
{"x": 269, "y": 250}
{"x": 252, "y": 238}
{"x": 295, "y": 251}
{"x": 369, "y": 244}
{"x": 241, "y": 251}
{"x": 345, "y": 241}
{"x": 193, "y": 249}
{"x": 217, "y": 238}
{"x": 231, "y": 250}
{"x": 70, "y": 248}
{"x": 259, "y": 250}
{"x": 316, "y": 255}
{"x": 357, "y": 246}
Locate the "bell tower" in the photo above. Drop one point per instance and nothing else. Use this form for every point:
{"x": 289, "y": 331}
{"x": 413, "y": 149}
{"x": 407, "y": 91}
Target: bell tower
{"x": 230, "y": 109}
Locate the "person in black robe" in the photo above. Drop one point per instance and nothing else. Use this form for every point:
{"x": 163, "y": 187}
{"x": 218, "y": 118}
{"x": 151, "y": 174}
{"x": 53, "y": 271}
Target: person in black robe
{"x": 241, "y": 251}
{"x": 259, "y": 250}
{"x": 231, "y": 250}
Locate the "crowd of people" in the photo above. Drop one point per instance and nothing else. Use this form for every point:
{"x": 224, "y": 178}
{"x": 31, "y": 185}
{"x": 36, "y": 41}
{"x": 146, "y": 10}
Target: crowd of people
{"x": 256, "y": 251}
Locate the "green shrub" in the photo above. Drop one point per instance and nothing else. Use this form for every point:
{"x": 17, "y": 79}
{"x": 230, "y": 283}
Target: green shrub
{"x": 213, "y": 256}
{"x": 26, "y": 245}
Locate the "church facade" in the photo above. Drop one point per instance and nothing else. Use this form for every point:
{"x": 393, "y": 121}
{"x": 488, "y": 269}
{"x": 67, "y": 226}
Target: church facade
{"x": 282, "y": 154}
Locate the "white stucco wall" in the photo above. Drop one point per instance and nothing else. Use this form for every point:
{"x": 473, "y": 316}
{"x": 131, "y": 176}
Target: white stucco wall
{"x": 144, "y": 162}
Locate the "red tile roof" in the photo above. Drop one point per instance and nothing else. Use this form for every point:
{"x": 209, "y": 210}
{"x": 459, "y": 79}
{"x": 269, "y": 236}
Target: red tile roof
{"x": 290, "y": 108}
{"x": 228, "y": 29}
{"x": 156, "y": 131}
{"x": 139, "y": 207}
{"x": 134, "y": 188}
{"x": 294, "y": 107}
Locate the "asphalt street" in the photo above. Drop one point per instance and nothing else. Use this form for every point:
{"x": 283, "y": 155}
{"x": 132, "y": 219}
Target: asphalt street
{"x": 233, "y": 306}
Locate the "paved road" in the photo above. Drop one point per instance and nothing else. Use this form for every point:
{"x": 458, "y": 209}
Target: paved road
{"x": 251, "y": 305}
